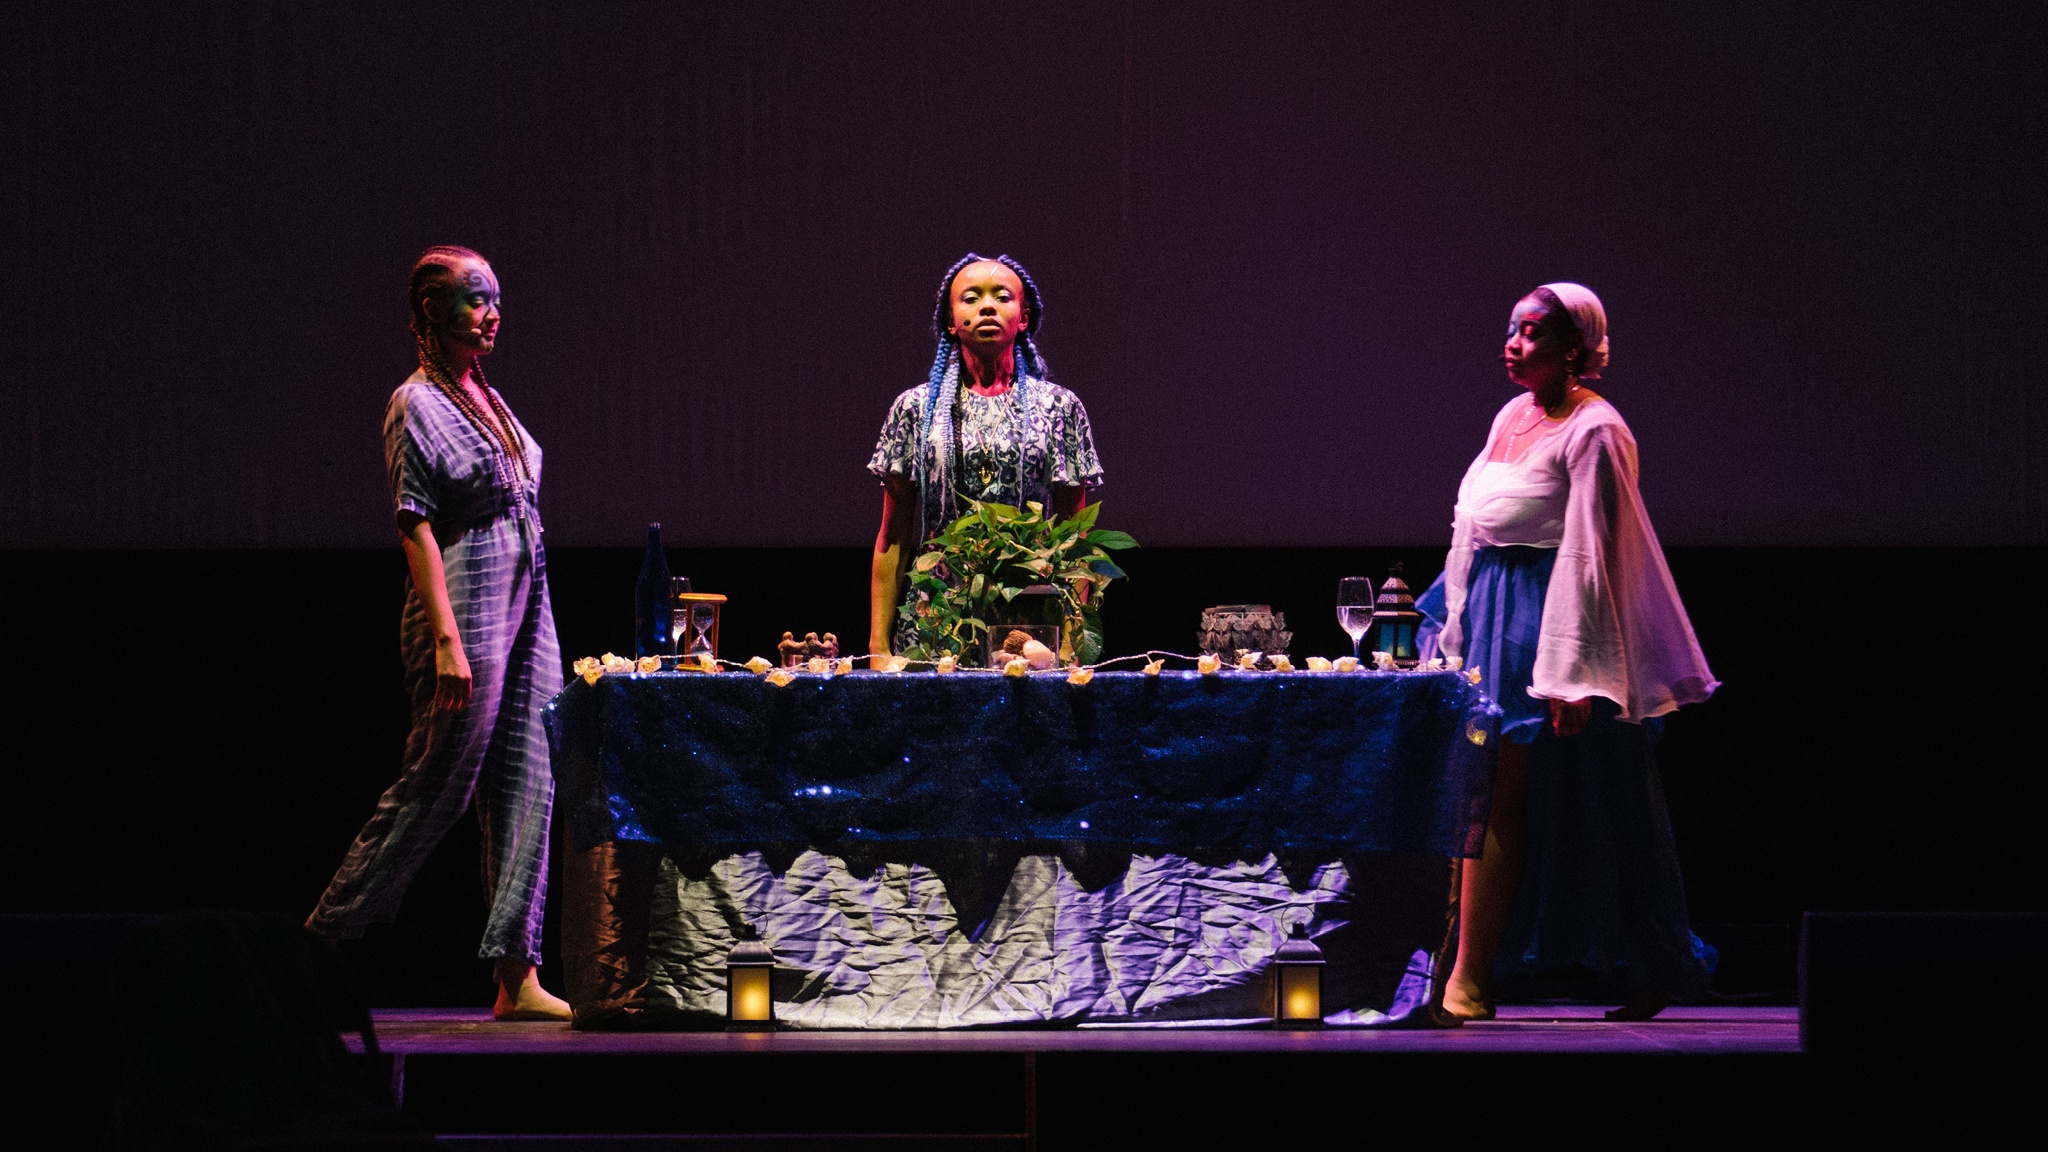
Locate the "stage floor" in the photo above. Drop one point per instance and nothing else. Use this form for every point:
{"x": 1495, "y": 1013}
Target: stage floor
{"x": 1521, "y": 1029}
{"x": 481, "y": 1084}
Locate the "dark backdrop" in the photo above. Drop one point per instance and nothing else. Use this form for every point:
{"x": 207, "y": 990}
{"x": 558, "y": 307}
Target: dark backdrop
{"x": 1279, "y": 243}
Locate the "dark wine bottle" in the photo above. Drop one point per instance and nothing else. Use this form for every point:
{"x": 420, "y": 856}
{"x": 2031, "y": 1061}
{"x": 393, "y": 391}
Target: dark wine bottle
{"x": 652, "y": 634}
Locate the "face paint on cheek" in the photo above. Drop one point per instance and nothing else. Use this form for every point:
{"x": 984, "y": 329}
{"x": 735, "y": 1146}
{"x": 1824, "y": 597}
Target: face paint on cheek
{"x": 467, "y": 317}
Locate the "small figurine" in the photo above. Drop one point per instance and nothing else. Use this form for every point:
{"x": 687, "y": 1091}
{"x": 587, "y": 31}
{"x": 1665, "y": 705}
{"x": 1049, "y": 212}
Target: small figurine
{"x": 796, "y": 652}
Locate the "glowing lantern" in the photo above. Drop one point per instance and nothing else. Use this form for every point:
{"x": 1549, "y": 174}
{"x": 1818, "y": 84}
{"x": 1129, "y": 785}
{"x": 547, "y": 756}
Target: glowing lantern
{"x": 1298, "y": 982}
{"x": 749, "y": 968}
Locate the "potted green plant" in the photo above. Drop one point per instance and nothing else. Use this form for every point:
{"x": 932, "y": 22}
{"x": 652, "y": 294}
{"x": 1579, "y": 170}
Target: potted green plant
{"x": 976, "y": 575}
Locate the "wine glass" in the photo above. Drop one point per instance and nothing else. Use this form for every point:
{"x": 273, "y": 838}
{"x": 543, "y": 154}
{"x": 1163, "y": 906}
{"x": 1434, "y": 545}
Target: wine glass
{"x": 1354, "y": 608}
{"x": 679, "y": 612}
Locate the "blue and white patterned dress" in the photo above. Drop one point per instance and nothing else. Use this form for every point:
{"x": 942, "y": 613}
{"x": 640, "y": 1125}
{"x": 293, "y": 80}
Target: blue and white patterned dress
{"x": 1009, "y": 449}
{"x": 484, "y": 516}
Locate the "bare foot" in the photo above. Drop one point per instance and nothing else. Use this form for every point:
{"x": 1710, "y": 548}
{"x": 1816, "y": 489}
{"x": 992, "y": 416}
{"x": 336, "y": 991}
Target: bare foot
{"x": 1641, "y": 1006}
{"x": 1466, "y": 1002}
{"x": 520, "y": 996}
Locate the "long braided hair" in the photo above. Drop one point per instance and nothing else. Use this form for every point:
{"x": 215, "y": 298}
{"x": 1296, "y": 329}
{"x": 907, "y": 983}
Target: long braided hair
{"x": 433, "y": 277}
{"x": 942, "y": 385}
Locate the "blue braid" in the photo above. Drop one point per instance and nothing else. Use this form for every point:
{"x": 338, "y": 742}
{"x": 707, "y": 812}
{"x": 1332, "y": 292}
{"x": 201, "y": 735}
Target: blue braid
{"x": 934, "y": 380}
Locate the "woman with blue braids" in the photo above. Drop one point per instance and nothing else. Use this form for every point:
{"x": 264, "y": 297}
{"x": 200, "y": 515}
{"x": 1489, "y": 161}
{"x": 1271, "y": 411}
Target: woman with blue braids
{"x": 988, "y": 424}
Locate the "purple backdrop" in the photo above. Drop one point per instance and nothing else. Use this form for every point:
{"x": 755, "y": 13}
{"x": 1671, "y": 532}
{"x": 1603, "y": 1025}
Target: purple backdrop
{"x": 1278, "y": 244}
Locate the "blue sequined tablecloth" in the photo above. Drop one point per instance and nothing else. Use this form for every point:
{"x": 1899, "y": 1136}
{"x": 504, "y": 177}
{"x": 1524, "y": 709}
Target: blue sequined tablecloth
{"x": 939, "y": 851}
{"x": 1245, "y": 761}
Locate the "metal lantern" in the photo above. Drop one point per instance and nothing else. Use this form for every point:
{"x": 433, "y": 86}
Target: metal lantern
{"x": 1394, "y": 621}
{"x": 1298, "y": 982}
{"x": 749, "y": 972}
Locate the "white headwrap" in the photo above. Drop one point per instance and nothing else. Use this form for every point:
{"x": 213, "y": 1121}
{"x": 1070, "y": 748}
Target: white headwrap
{"x": 1591, "y": 319}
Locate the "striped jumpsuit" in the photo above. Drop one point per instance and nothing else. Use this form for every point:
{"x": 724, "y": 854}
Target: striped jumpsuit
{"x": 444, "y": 469}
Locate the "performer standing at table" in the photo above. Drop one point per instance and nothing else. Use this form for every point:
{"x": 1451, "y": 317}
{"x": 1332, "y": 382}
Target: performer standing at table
{"x": 477, "y": 635}
{"x": 1557, "y": 593}
{"x": 989, "y": 424}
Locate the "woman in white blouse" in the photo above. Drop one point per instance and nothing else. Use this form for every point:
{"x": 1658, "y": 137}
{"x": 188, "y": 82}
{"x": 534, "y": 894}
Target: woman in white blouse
{"x": 1556, "y": 592}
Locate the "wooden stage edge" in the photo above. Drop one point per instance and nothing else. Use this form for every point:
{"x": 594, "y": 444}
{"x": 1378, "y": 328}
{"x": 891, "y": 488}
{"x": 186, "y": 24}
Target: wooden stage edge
{"x": 1524, "y": 1030}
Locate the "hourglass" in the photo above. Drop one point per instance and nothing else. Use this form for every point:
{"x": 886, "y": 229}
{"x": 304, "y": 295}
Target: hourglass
{"x": 697, "y": 624}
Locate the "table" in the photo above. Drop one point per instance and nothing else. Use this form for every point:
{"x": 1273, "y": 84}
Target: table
{"x": 926, "y": 850}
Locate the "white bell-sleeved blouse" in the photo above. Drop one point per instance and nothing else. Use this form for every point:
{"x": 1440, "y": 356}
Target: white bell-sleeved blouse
{"x": 1613, "y": 624}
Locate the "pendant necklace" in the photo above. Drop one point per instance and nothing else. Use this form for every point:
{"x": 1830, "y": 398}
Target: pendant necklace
{"x": 975, "y": 445}
{"x": 1514, "y": 433}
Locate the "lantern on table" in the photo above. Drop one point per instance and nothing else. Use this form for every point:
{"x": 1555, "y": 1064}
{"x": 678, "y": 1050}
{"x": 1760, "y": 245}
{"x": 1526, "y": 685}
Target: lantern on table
{"x": 1298, "y": 982}
{"x": 749, "y": 973}
{"x": 1395, "y": 620}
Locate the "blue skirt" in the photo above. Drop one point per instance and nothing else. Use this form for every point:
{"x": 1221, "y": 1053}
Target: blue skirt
{"x": 1601, "y": 905}
{"x": 1503, "y": 615}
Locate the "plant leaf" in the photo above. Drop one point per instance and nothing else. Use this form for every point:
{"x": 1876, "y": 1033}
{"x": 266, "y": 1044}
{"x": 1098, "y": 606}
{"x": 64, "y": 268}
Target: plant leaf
{"x": 1082, "y": 521}
{"x": 1088, "y": 637}
{"x": 1111, "y": 538}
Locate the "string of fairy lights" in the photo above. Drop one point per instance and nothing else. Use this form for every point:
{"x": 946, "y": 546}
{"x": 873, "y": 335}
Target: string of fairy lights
{"x": 1152, "y": 663}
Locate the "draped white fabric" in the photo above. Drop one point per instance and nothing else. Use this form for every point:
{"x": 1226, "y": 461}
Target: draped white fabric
{"x": 1613, "y": 624}
{"x": 1171, "y": 941}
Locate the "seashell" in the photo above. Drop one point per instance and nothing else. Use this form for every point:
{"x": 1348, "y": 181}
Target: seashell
{"x": 1472, "y": 674}
{"x": 1018, "y": 666}
{"x": 1346, "y": 664}
{"x": 1318, "y": 664}
{"x": 707, "y": 662}
{"x": 1152, "y": 668}
{"x": 1454, "y": 663}
{"x": 1280, "y": 662}
{"x": 843, "y": 667}
{"x": 649, "y": 664}
{"x": 1208, "y": 663}
{"x": 615, "y": 663}
{"x": 895, "y": 663}
{"x": 1080, "y": 674}
{"x": 1038, "y": 655}
{"x": 780, "y": 677}
{"x": 589, "y": 668}
{"x": 1249, "y": 661}
{"x": 758, "y": 665}
{"x": 818, "y": 666}
{"x": 1384, "y": 661}
{"x": 947, "y": 664}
